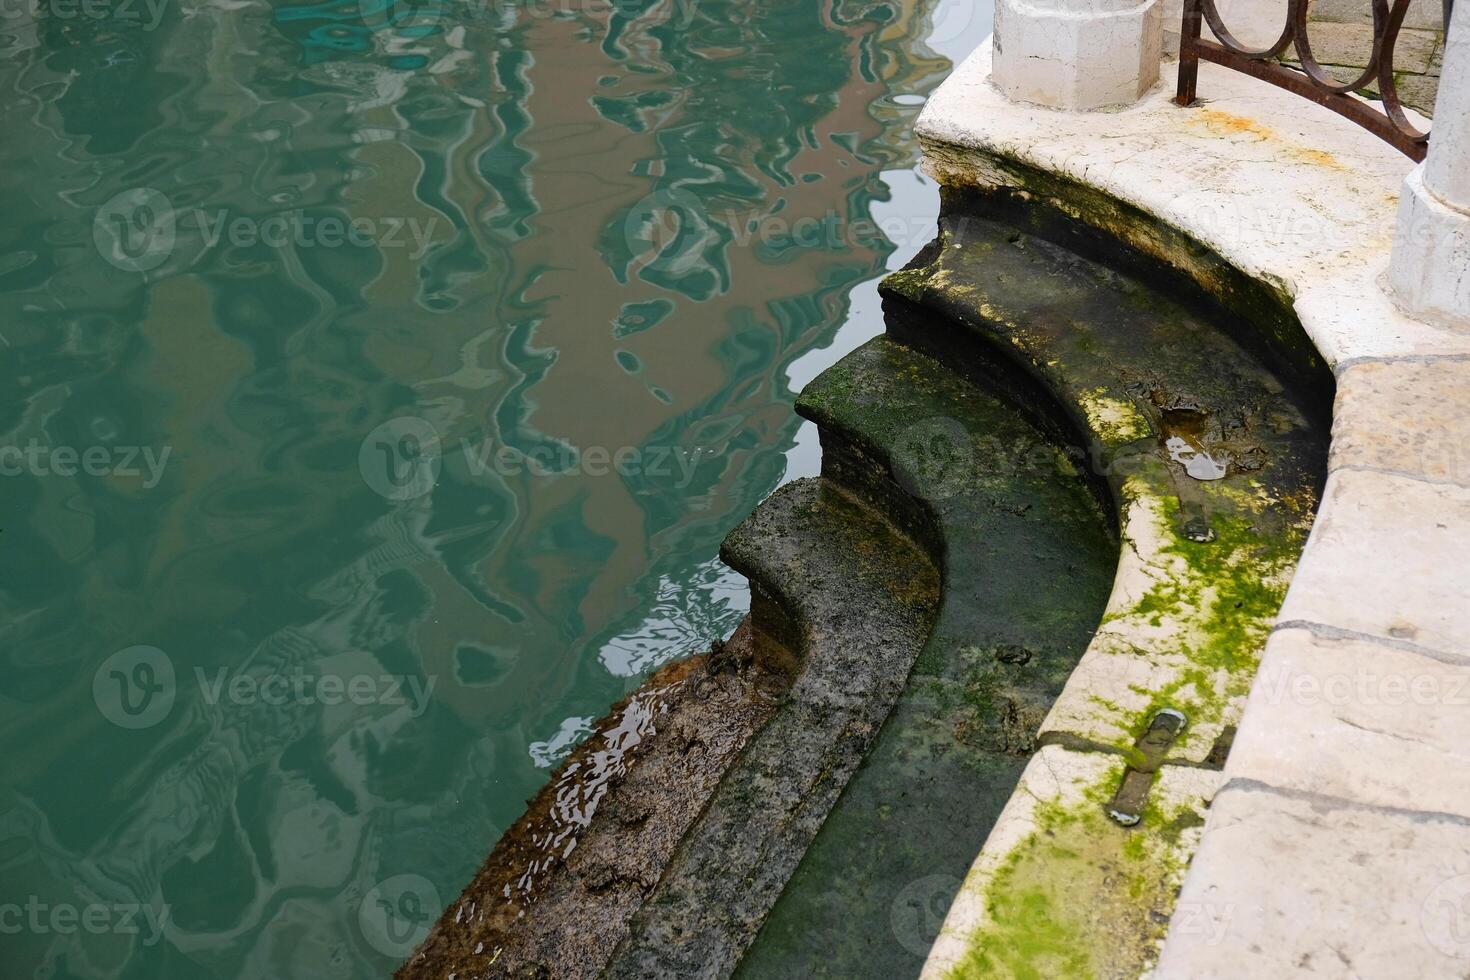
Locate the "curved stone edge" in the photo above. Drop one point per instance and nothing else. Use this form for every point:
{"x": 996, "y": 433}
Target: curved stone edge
{"x": 1296, "y": 198}
{"x": 1177, "y": 606}
{"x": 858, "y": 599}
{"x": 555, "y": 895}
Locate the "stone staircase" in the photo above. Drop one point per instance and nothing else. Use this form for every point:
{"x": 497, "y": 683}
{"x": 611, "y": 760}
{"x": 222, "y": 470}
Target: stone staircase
{"x": 1059, "y": 506}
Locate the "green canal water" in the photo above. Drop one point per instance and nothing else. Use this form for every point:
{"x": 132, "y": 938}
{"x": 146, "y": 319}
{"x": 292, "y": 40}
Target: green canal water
{"x": 376, "y": 385}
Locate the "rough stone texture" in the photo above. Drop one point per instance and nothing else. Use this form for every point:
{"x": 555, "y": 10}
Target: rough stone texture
{"x": 1410, "y": 417}
{"x": 1341, "y": 36}
{"x": 1341, "y": 33}
{"x": 1026, "y": 556}
{"x": 1054, "y": 778}
{"x": 555, "y": 896}
{"x": 1053, "y": 841}
{"x": 1381, "y": 722}
{"x": 1351, "y": 45}
{"x": 1143, "y": 378}
{"x": 1290, "y": 884}
{"x": 1256, "y": 23}
{"x": 1139, "y": 374}
{"x": 1423, "y": 14}
{"x": 1068, "y": 55}
{"x": 1415, "y": 91}
{"x": 863, "y": 598}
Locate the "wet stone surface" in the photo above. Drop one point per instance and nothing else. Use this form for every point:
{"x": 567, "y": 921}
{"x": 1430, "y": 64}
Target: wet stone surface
{"x": 555, "y": 896}
{"x": 945, "y": 597}
{"x": 864, "y": 596}
{"x": 1027, "y": 561}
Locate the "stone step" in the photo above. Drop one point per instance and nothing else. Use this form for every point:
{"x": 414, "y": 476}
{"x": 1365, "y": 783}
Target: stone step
{"x": 1215, "y": 465}
{"x": 1214, "y": 460}
{"x": 856, "y": 598}
{"x": 1026, "y": 555}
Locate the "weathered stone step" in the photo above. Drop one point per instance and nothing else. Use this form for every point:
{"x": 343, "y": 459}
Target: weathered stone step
{"x": 1026, "y": 554}
{"x": 857, "y": 597}
{"x": 1215, "y": 465}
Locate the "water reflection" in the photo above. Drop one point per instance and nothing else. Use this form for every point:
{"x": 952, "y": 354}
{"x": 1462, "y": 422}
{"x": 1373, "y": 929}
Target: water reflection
{"x": 415, "y": 298}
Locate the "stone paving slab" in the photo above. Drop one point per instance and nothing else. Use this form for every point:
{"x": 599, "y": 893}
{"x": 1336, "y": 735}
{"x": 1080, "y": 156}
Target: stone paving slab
{"x": 1409, "y": 416}
{"x": 1298, "y": 885}
{"x": 1387, "y": 558}
{"x": 1359, "y": 719}
{"x": 1351, "y": 45}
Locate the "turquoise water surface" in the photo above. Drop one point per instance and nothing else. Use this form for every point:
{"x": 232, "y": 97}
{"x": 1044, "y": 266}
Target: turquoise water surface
{"x": 378, "y": 383}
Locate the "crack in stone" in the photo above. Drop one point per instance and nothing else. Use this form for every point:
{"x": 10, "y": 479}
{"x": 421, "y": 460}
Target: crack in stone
{"x": 1327, "y": 632}
{"x": 1329, "y": 802}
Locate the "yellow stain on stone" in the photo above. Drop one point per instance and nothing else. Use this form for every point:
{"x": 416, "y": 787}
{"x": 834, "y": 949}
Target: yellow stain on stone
{"x": 1114, "y": 420}
{"x": 1228, "y": 124}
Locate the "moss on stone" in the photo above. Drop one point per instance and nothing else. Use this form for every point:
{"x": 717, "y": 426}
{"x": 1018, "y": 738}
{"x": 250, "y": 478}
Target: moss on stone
{"x": 1081, "y": 896}
{"x": 1114, "y": 420}
{"x": 1223, "y": 596}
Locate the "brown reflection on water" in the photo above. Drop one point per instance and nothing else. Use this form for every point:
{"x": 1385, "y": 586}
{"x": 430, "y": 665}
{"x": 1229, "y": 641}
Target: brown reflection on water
{"x": 588, "y": 170}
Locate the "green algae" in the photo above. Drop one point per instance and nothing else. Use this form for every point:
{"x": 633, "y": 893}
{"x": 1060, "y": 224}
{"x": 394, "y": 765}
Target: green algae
{"x": 1118, "y": 361}
{"x": 1257, "y": 310}
{"x": 1223, "y": 595}
{"x": 1115, "y": 420}
{"x": 1081, "y": 896}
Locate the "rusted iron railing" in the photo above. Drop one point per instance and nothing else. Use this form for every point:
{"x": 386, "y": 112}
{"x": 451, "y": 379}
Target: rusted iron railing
{"x": 1389, "y": 122}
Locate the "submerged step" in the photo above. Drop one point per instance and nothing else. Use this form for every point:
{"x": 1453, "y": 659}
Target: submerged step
{"x": 860, "y": 597}
{"x": 1026, "y": 557}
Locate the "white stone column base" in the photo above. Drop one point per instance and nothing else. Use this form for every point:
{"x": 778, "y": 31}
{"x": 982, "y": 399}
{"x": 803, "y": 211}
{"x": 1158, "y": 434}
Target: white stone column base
{"x": 1077, "y": 54}
{"x": 1430, "y": 271}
